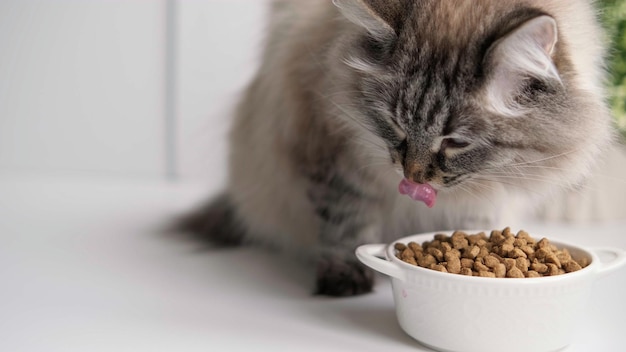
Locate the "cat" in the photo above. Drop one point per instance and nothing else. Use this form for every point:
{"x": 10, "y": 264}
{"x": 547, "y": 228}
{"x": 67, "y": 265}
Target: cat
{"x": 371, "y": 120}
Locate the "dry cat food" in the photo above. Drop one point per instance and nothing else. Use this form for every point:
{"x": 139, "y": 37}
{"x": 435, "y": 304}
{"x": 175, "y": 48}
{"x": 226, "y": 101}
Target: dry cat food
{"x": 502, "y": 254}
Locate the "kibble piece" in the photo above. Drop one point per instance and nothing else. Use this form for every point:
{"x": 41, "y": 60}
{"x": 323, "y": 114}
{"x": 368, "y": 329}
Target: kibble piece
{"x": 539, "y": 267}
{"x": 410, "y": 261}
{"x": 519, "y": 242}
{"x": 484, "y": 251}
{"x": 506, "y": 248}
{"x": 521, "y": 234}
{"x": 517, "y": 253}
{"x": 542, "y": 252}
{"x": 564, "y": 256}
{"x": 467, "y": 263}
{"x": 500, "y": 259}
{"x": 415, "y": 247}
{"x": 532, "y": 273}
{"x": 479, "y": 266}
{"x": 476, "y": 238}
{"x": 491, "y": 261}
{"x": 522, "y": 264}
{"x": 399, "y": 246}
{"x": 530, "y": 252}
{"x": 435, "y": 252}
{"x": 484, "y": 273}
{"x": 584, "y": 262}
{"x": 454, "y": 252}
{"x": 471, "y": 252}
{"x": 509, "y": 263}
{"x": 419, "y": 254}
{"x": 459, "y": 241}
{"x": 439, "y": 267}
{"x": 497, "y": 237}
{"x": 552, "y": 258}
{"x": 441, "y": 237}
{"x": 552, "y": 269}
{"x": 407, "y": 253}
{"x": 450, "y": 255}
{"x": 514, "y": 273}
{"x": 454, "y": 265}
{"x": 500, "y": 270}
{"x": 543, "y": 243}
{"x": 445, "y": 247}
{"x": 467, "y": 271}
{"x": 473, "y": 239}
{"x": 426, "y": 261}
{"x": 509, "y": 240}
{"x": 571, "y": 266}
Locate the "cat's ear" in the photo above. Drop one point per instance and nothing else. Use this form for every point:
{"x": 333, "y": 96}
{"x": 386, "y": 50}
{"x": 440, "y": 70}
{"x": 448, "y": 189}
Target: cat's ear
{"x": 379, "y": 17}
{"x": 526, "y": 53}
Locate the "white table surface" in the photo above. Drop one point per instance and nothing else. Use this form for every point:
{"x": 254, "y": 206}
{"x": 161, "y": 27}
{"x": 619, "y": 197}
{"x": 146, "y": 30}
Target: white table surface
{"x": 83, "y": 269}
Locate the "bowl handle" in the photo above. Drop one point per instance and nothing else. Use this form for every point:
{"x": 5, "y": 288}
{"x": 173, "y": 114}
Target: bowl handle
{"x": 370, "y": 255}
{"x": 617, "y": 258}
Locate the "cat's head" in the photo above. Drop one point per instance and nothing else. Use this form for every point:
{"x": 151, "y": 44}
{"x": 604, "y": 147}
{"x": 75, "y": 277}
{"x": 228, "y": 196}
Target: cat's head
{"x": 471, "y": 93}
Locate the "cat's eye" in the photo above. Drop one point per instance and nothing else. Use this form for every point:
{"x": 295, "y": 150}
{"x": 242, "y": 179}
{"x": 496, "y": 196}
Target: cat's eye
{"x": 398, "y": 150}
{"x": 402, "y": 147}
{"x": 454, "y": 143}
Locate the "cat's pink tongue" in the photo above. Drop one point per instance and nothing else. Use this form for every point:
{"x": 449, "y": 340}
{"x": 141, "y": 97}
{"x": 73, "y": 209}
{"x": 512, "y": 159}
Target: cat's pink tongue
{"x": 420, "y": 192}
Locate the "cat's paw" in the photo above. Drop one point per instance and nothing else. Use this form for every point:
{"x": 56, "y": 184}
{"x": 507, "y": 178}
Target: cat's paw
{"x": 341, "y": 278}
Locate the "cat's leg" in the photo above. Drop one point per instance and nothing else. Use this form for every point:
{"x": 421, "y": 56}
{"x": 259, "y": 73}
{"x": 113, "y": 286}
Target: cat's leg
{"x": 349, "y": 218}
{"x": 339, "y": 273}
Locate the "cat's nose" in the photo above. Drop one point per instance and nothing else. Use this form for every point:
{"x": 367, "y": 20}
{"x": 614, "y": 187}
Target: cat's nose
{"x": 419, "y": 177}
{"x": 415, "y": 173}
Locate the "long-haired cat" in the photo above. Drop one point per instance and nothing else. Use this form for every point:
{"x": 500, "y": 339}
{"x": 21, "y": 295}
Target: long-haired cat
{"x": 369, "y": 120}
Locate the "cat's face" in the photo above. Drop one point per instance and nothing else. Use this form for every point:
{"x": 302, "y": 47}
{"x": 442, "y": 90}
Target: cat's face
{"x": 487, "y": 101}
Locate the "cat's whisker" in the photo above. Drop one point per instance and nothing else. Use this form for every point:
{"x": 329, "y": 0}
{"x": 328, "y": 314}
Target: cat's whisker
{"x": 523, "y": 175}
{"x": 364, "y": 141}
{"x": 543, "y": 178}
{"x": 478, "y": 195}
{"x": 596, "y": 174}
{"x": 349, "y": 115}
{"x": 368, "y": 144}
{"x": 322, "y": 97}
{"x": 548, "y": 180}
{"x": 527, "y": 188}
{"x": 551, "y": 157}
{"x": 519, "y": 174}
{"x": 511, "y": 184}
{"x": 621, "y": 180}
{"x": 475, "y": 183}
{"x": 554, "y": 168}
{"x": 372, "y": 165}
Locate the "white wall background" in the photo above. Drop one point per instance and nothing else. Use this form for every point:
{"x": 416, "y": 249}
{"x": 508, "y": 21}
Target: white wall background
{"x": 218, "y": 45}
{"x": 84, "y": 86}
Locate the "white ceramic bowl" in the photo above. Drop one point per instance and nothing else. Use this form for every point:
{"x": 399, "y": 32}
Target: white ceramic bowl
{"x": 450, "y": 312}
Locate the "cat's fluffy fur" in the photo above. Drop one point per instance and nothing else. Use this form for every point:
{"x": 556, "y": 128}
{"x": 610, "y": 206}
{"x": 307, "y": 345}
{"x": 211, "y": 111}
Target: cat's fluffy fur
{"x": 494, "y": 103}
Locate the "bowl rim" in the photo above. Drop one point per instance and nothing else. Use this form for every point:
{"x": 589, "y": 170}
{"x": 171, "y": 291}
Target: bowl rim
{"x": 409, "y": 268}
